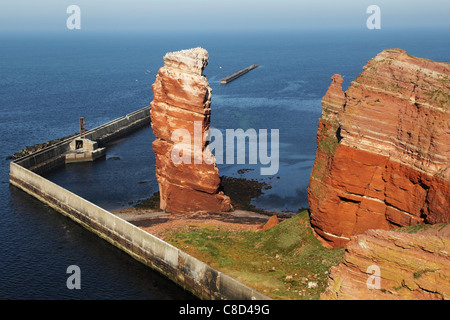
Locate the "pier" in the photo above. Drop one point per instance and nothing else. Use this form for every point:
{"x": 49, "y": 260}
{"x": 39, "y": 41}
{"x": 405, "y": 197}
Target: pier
{"x": 237, "y": 74}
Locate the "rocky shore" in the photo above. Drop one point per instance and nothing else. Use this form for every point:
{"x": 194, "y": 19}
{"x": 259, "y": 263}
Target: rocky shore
{"x": 34, "y": 148}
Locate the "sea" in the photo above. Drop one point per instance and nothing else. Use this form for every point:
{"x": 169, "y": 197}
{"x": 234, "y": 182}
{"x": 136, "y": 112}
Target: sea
{"x": 49, "y": 80}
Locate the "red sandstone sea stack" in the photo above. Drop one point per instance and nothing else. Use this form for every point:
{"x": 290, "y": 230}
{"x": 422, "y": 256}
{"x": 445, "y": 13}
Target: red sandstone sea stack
{"x": 182, "y": 100}
{"x": 383, "y": 149}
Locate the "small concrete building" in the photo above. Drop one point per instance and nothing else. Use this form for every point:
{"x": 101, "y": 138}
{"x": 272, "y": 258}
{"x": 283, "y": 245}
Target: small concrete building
{"x": 83, "y": 150}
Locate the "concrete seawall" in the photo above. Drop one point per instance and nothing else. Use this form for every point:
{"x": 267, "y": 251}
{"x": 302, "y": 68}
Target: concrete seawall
{"x": 53, "y": 156}
{"x": 192, "y": 274}
{"x": 237, "y": 74}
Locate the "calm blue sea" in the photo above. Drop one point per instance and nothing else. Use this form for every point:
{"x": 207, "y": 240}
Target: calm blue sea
{"x": 48, "y": 81}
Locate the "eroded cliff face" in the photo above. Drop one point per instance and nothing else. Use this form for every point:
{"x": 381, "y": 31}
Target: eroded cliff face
{"x": 383, "y": 149}
{"x": 181, "y": 103}
{"x": 393, "y": 265}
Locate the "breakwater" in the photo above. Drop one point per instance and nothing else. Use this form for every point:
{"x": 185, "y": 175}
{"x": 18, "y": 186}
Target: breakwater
{"x": 185, "y": 270}
{"x": 53, "y": 156}
{"x": 237, "y": 74}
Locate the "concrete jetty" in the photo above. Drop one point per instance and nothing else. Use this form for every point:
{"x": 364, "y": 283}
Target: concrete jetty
{"x": 53, "y": 156}
{"x": 237, "y": 74}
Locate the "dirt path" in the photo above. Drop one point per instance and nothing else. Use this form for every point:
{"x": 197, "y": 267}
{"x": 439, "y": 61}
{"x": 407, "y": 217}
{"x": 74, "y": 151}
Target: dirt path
{"x": 159, "y": 223}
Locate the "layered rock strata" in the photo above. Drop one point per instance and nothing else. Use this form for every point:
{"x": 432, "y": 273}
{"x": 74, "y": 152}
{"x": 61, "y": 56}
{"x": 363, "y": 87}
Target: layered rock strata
{"x": 383, "y": 149}
{"x": 392, "y": 265}
{"x": 180, "y": 117}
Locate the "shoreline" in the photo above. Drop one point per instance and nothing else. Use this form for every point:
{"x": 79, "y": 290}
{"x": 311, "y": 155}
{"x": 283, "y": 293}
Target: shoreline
{"x": 240, "y": 190}
{"x": 147, "y": 215}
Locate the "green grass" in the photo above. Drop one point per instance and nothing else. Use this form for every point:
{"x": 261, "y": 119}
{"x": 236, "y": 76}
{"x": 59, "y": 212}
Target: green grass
{"x": 319, "y": 169}
{"x": 419, "y": 273}
{"x": 279, "y": 262}
{"x": 441, "y": 98}
{"x": 328, "y": 142}
{"x": 417, "y": 227}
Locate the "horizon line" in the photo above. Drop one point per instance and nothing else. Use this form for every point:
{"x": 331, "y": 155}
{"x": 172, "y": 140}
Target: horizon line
{"x": 200, "y": 30}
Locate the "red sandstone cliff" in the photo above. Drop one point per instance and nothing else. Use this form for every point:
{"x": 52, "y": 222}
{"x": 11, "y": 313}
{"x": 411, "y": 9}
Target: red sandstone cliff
{"x": 393, "y": 265}
{"x": 181, "y": 100}
{"x": 383, "y": 149}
